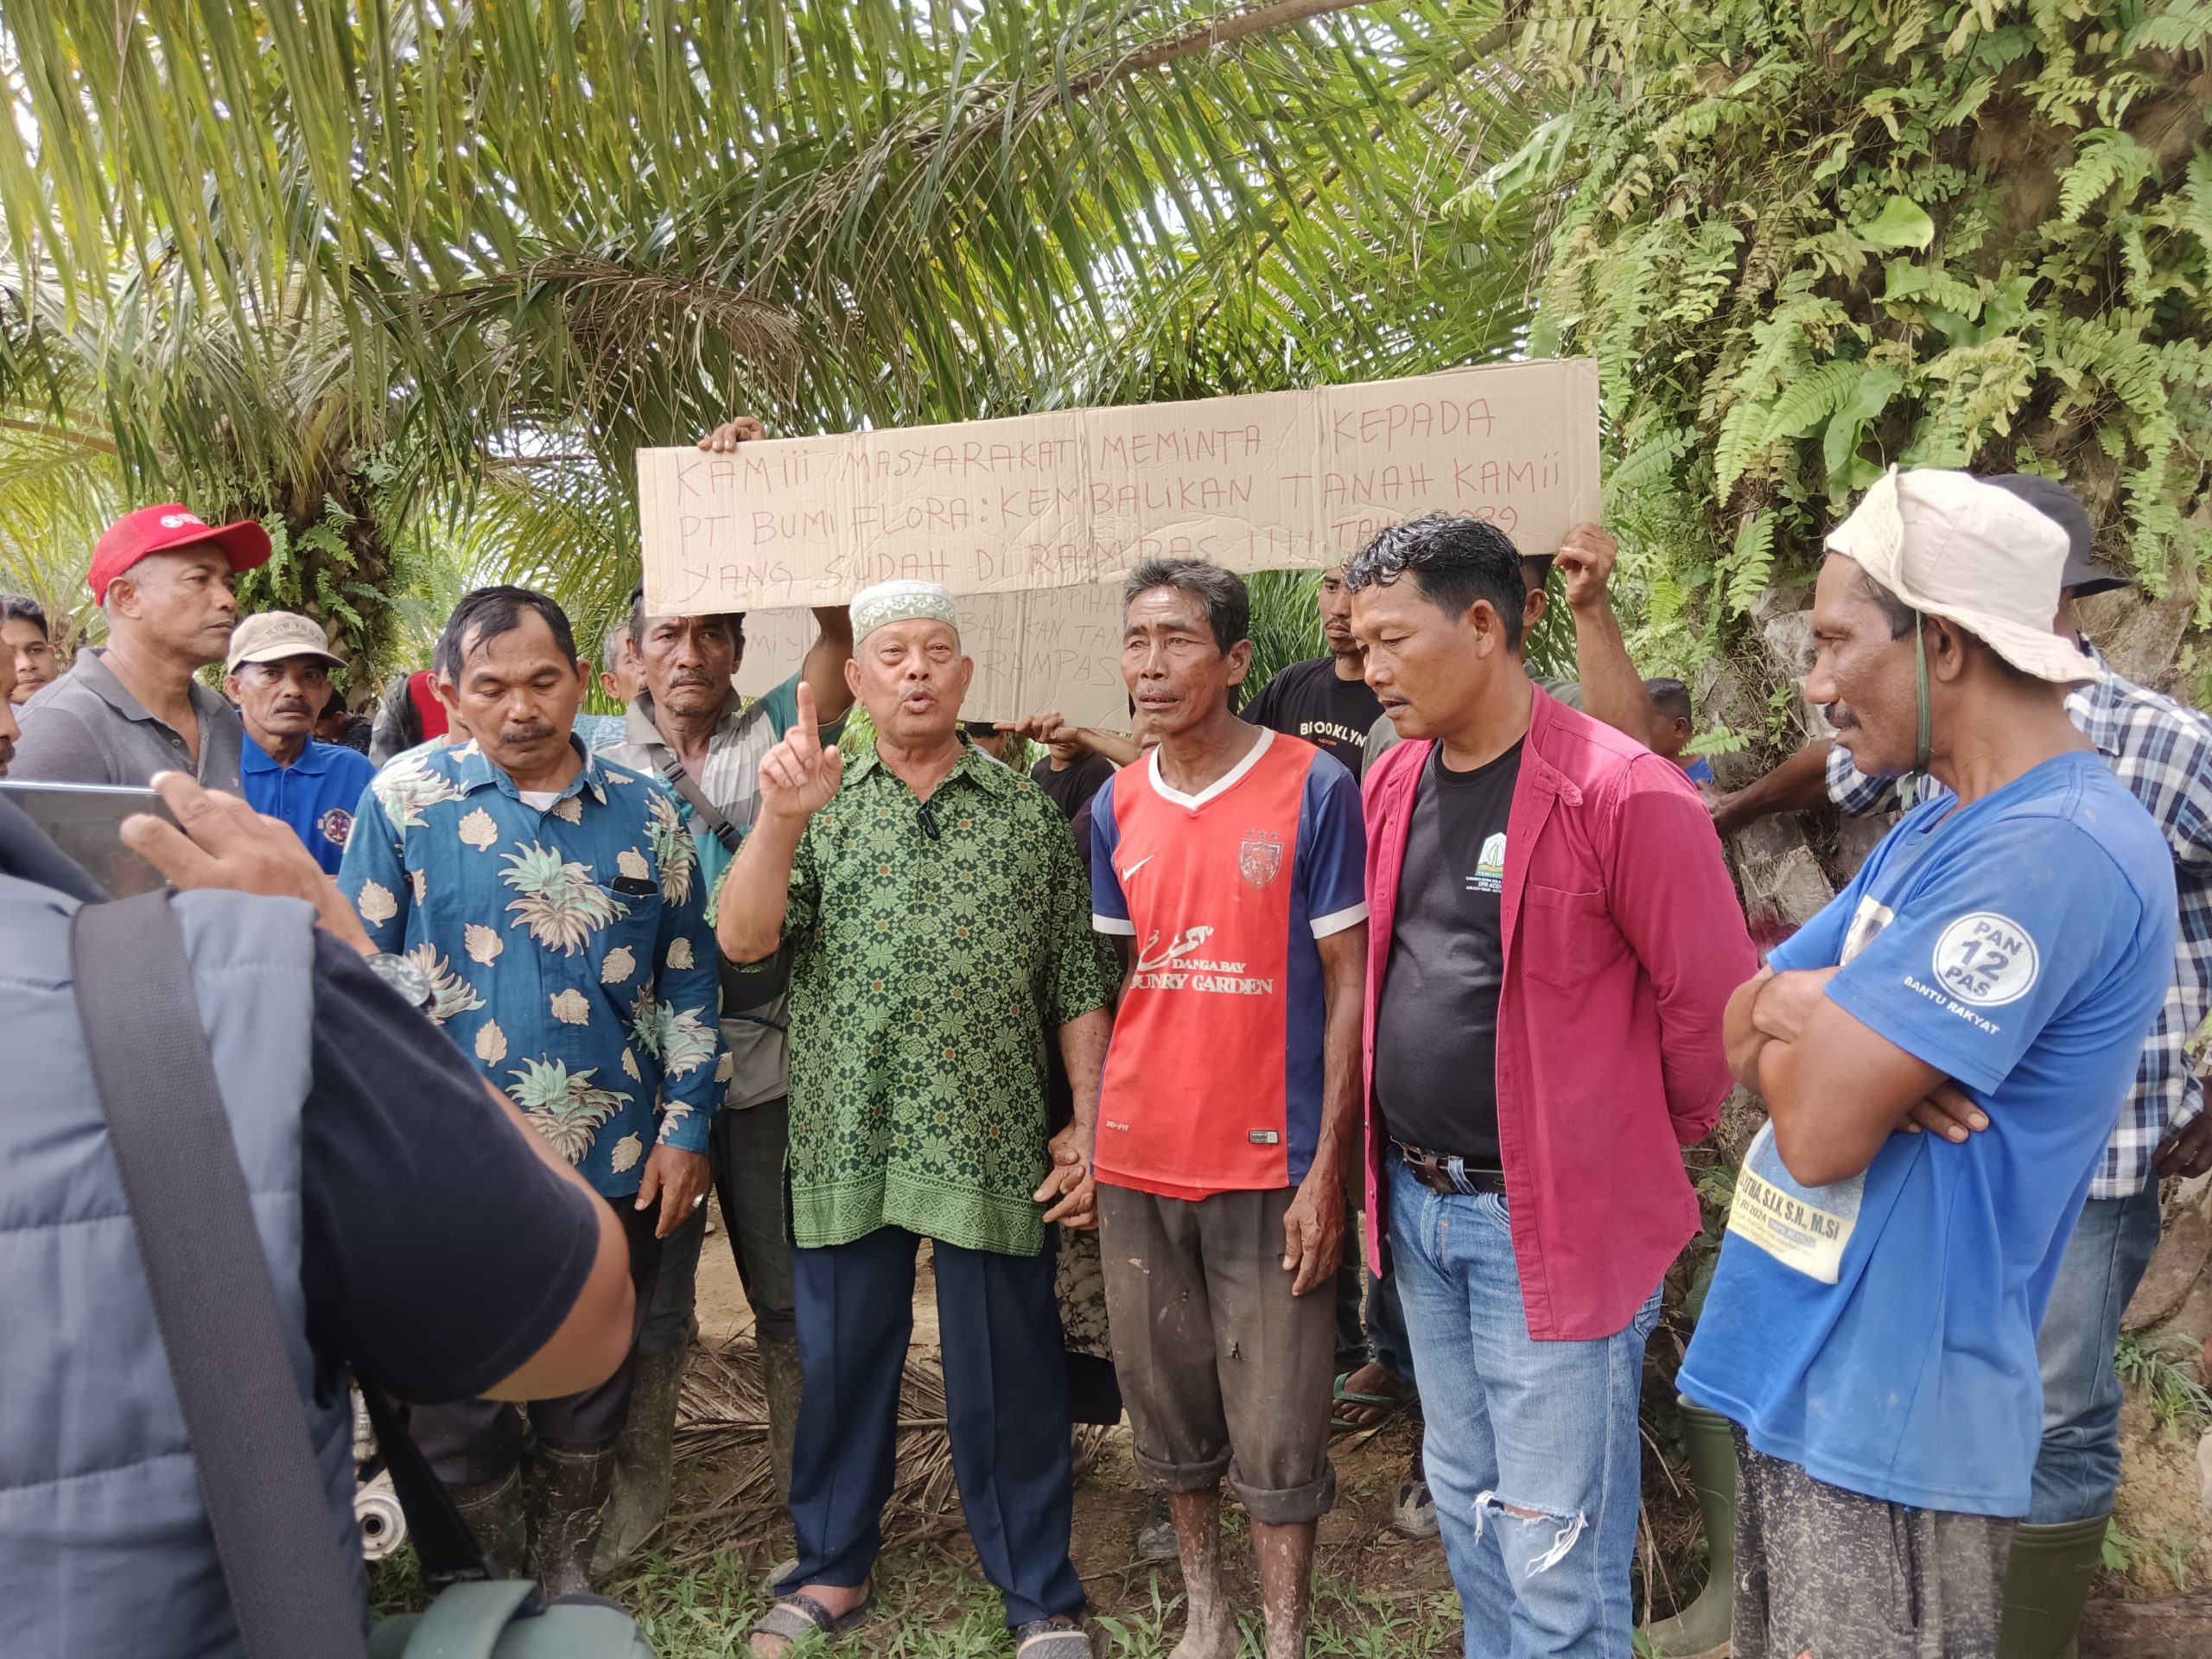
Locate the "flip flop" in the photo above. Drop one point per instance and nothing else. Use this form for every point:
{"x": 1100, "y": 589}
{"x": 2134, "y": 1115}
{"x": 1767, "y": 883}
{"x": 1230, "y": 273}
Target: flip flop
{"x": 1385, "y": 1406}
{"x": 796, "y": 1617}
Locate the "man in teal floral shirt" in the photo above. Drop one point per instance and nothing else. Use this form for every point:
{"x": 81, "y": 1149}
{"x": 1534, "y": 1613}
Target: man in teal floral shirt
{"x": 550, "y": 904}
{"x": 940, "y": 936}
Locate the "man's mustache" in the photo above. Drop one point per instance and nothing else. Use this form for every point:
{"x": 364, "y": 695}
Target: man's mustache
{"x": 690, "y": 677}
{"x": 529, "y": 732}
{"x": 290, "y": 706}
{"x": 1838, "y": 715}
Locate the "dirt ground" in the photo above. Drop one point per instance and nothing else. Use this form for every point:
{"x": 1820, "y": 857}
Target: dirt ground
{"x": 1358, "y": 1552}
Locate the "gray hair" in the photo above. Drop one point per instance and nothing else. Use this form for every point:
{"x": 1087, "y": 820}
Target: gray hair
{"x": 610, "y": 648}
{"x": 1221, "y": 590}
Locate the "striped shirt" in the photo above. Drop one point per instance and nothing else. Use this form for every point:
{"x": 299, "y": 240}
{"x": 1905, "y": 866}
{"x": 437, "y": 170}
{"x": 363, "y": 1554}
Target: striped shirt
{"x": 2163, "y": 753}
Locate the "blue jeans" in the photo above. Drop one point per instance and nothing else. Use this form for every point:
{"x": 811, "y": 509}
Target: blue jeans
{"x": 2077, "y": 1473}
{"x": 1386, "y": 1329}
{"x": 1533, "y": 1453}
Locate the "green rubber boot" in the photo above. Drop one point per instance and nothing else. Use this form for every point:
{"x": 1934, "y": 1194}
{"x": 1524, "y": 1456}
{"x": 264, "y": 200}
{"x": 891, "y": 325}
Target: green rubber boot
{"x": 498, "y": 1518}
{"x": 2046, "y": 1582}
{"x": 568, "y": 1486}
{"x": 780, "y": 1380}
{"x": 644, "y": 1461}
{"x": 1701, "y": 1629}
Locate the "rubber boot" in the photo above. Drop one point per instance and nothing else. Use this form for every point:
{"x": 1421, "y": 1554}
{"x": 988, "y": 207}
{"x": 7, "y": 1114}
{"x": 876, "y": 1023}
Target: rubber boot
{"x": 645, "y": 1457}
{"x": 2046, "y": 1582}
{"x": 1701, "y": 1629}
{"x": 779, "y": 1381}
{"x": 568, "y": 1497}
{"x": 498, "y": 1520}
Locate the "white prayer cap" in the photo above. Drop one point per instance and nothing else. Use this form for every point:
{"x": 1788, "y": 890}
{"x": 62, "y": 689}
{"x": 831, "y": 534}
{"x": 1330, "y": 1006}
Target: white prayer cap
{"x": 902, "y": 601}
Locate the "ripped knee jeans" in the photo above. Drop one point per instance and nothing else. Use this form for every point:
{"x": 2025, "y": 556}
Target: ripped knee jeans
{"x": 1533, "y": 1451}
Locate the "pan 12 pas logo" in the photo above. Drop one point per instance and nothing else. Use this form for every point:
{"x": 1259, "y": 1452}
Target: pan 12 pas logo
{"x": 1987, "y": 960}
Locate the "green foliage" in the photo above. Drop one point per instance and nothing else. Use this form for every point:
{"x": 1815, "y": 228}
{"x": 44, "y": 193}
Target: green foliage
{"x": 525, "y": 238}
{"x": 1286, "y": 623}
{"x": 2118, "y": 1551}
{"x": 2167, "y": 1368}
{"x": 1805, "y": 242}
{"x": 2174, "y": 1552}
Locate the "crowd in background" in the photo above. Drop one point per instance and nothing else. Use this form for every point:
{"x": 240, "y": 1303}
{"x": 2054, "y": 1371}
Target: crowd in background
{"x": 1295, "y": 1059}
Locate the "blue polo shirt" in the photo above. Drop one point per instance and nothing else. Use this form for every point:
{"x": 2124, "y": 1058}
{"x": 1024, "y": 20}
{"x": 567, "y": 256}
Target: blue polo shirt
{"x": 316, "y": 794}
{"x": 1880, "y": 1332}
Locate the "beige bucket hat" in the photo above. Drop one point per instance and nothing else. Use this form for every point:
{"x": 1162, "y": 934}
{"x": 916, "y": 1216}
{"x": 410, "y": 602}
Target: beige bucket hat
{"x": 1953, "y": 546}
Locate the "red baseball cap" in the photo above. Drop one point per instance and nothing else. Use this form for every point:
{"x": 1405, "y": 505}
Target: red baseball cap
{"x": 166, "y": 529}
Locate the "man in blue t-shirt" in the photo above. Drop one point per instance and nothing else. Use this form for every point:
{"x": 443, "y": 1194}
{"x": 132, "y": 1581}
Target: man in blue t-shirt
{"x": 278, "y": 674}
{"x": 1989, "y": 976}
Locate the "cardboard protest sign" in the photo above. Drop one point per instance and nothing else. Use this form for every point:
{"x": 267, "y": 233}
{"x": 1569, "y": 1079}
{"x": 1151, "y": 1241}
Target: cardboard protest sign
{"x": 1056, "y": 651}
{"x": 1276, "y": 480}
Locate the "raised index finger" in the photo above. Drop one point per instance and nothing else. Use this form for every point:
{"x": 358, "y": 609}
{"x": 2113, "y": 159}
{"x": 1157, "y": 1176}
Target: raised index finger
{"x": 806, "y": 735}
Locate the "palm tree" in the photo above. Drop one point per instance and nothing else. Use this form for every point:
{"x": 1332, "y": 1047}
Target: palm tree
{"x": 140, "y": 393}
{"x": 578, "y": 230}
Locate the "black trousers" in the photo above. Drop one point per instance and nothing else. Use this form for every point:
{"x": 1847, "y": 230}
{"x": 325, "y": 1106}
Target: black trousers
{"x": 469, "y": 1442}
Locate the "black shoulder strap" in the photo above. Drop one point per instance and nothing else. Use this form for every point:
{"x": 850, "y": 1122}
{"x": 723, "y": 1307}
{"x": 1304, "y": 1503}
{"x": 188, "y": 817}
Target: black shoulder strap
{"x": 683, "y": 783}
{"x": 444, "y": 1548}
{"x": 290, "y": 1587}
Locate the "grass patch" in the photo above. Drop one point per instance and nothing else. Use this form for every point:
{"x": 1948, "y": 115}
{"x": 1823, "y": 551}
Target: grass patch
{"x": 929, "y": 1606}
{"x": 2165, "y": 1367}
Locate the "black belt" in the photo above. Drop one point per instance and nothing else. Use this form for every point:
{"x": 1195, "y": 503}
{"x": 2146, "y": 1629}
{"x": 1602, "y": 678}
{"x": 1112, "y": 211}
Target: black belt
{"x": 1434, "y": 1170}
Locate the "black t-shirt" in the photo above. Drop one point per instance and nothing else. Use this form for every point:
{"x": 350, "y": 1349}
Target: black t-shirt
{"x": 438, "y": 1252}
{"x": 1436, "y": 1026}
{"x": 1307, "y": 699}
{"x": 1070, "y": 789}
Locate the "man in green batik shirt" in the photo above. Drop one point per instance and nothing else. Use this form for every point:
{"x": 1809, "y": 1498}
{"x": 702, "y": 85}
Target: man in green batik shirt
{"x": 940, "y": 931}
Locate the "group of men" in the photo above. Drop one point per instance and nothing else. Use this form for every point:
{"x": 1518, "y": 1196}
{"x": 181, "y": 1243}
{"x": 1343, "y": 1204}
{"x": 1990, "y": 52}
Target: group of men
{"x": 1417, "y": 939}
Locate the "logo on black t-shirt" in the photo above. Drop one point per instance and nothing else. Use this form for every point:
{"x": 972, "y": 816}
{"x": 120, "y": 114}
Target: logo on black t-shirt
{"x": 1490, "y": 867}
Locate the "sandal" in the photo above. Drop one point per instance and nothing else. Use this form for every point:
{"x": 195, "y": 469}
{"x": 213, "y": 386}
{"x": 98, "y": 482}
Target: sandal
{"x": 796, "y": 1617}
{"x": 1052, "y": 1638}
{"x": 1384, "y": 1406}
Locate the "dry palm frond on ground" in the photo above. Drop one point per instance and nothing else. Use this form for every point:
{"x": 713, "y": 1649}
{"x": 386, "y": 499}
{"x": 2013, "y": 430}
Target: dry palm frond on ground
{"x": 726, "y": 1492}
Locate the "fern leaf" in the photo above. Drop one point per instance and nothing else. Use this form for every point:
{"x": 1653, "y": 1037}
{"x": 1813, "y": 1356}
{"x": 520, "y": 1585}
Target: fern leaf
{"x": 1809, "y": 402}
{"x": 1750, "y": 561}
{"x": 2105, "y": 159}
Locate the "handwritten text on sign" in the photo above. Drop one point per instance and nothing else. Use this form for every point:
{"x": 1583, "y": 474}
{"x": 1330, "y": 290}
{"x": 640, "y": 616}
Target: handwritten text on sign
{"x": 1277, "y": 481}
{"x": 1056, "y": 651}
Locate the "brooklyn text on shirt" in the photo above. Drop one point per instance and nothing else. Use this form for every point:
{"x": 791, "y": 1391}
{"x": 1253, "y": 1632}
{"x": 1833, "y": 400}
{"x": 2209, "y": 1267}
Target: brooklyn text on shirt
{"x": 1331, "y": 729}
{"x": 1175, "y": 970}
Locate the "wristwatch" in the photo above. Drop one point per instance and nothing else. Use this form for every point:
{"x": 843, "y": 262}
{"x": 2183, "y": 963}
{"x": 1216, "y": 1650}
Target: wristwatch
{"x": 404, "y": 976}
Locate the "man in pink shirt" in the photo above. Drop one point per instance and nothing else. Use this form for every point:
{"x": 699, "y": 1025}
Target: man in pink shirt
{"x": 1553, "y": 939}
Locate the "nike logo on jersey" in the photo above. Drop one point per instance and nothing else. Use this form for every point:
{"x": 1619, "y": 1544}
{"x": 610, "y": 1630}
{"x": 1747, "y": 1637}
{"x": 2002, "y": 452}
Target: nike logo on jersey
{"x": 1139, "y": 865}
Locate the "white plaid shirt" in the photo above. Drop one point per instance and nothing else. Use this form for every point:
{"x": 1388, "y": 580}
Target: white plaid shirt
{"x": 2163, "y": 753}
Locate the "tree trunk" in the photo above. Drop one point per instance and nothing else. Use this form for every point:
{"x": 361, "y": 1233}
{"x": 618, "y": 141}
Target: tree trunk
{"x": 2179, "y": 1627}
